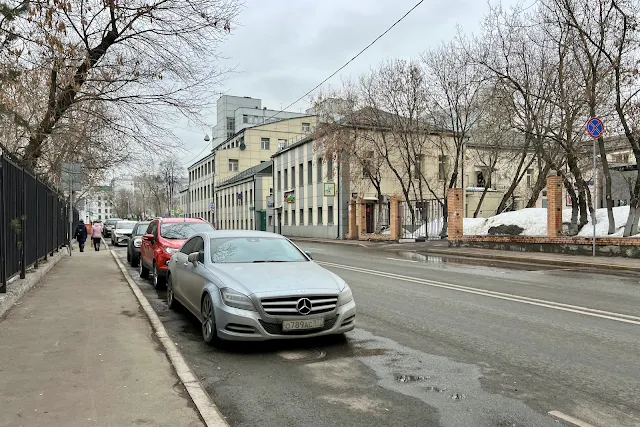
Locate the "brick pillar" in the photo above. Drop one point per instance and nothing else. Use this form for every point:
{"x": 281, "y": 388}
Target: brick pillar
{"x": 395, "y": 218}
{"x": 554, "y": 205}
{"x": 362, "y": 218}
{"x": 455, "y": 218}
{"x": 353, "y": 223}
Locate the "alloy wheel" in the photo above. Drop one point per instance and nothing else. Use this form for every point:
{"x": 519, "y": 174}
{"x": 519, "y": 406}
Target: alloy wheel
{"x": 169, "y": 291}
{"x": 155, "y": 275}
{"x": 207, "y": 320}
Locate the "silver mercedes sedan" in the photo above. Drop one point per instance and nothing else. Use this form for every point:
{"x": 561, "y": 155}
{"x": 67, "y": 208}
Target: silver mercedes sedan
{"x": 254, "y": 286}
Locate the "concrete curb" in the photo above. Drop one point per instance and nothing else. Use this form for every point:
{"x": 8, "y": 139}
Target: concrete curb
{"x": 206, "y": 408}
{"x": 17, "y": 288}
{"x": 524, "y": 260}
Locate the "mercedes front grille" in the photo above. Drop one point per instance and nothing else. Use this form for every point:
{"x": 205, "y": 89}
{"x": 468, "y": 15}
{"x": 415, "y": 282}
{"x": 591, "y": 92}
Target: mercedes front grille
{"x": 288, "y": 306}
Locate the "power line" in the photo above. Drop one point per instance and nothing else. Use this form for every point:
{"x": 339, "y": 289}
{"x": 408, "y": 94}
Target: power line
{"x": 351, "y": 60}
{"x": 339, "y": 69}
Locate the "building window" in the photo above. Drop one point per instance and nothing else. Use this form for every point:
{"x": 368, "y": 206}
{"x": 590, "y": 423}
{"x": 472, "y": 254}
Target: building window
{"x": 319, "y": 166}
{"x": 231, "y": 124}
{"x": 529, "y": 175}
{"x": 251, "y": 195}
{"x": 99, "y": 217}
{"x": 245, "y": 118}
{"x": 306, "y": 127}
{"x": 417, "y": 168}
{"x": 302, "y": 217}
{"x": 265, "y": 143}
{"x": 279, "y": 182}
{"x": 99, "y": 210}
{"x": 282, "y": 144}
{"x": 310, "y": 218}
{"x": 293, "y": 177}
{"x": 301, "y": 172}
{"x": 309, "y": 172}
{"x": 330, "y": 169}
{"x": 233, "y": 165}
{"x": 286, "y": 176}
{"x": 320, "y": 215}
{"x": 293, "y": 217}
{"x": 286, "y": 217}
{"x": 442, "y": 168}
{"x": 330, "y": 215}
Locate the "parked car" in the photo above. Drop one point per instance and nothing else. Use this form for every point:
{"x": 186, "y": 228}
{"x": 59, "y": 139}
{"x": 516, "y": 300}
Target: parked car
{"x": 163, "y": 238}
{"x": 108, "y": 226}
{"x": 135, "y": 242}
{"x": 254, "y": 285}
{"x": 121, "y": 232}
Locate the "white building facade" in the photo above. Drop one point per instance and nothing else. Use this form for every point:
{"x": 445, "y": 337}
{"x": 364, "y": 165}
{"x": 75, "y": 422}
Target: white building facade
{"x": 308, "y": 198}
{"x": 241, "y": 201}
{"x": 200, "y": 189}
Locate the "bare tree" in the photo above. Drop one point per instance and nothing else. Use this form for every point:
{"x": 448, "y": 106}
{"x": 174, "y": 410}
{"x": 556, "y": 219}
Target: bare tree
{"x": 140, "y": 59}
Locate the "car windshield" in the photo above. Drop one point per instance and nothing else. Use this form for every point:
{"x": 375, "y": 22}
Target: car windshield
{"x": 184, "y": 230}
{"x": 254, "y": 249}
{"x": 141, "y": 228}
{"x": 125, "y": 225}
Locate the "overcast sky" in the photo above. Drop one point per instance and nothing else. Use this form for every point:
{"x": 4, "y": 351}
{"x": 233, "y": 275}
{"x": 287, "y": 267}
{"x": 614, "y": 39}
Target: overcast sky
{"x": 283, "y": 48}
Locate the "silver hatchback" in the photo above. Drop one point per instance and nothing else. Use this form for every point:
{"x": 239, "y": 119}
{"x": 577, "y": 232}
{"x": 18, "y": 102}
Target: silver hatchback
{"x": 254, "y": 285}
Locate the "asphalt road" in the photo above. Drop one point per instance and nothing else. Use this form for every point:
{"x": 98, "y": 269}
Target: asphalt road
{"x": 438, "y": 342}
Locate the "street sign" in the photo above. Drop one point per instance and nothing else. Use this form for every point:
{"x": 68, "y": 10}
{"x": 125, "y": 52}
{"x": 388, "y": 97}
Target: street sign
{"x": 595, "y": 127}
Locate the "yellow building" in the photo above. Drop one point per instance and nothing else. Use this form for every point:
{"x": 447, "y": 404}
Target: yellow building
{"x": 254, "y": 145}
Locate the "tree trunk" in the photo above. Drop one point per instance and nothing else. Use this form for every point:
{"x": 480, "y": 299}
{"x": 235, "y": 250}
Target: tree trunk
{"x": 606, "y": 172}
{"x": 541, "y": 182}
{"x": 575, "y": 207}
{"x": 631, "y": 227}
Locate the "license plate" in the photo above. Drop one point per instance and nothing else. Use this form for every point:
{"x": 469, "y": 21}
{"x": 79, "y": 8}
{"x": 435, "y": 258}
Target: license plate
{"x": 298, "y": 325}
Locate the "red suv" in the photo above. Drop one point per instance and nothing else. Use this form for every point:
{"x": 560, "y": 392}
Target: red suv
{"x": 163, "y": 238}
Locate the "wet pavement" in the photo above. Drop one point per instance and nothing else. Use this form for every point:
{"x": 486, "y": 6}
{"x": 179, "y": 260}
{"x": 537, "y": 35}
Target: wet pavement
{"x": 436, "y": 344}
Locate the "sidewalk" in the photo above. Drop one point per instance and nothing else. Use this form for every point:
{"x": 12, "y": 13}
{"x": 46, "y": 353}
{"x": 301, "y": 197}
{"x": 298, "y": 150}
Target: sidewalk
{"x": 79, "y": 351}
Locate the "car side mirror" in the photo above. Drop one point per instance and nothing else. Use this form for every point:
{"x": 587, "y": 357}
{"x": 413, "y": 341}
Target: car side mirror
{"x": 308, "y": 254}
{"x": 148, "y": 237}
{"x": 195, "y": 257}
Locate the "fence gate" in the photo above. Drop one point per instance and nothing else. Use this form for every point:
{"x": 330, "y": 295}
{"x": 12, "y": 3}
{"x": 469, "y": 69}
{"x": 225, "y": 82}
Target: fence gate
{"x": 422, "y": 219}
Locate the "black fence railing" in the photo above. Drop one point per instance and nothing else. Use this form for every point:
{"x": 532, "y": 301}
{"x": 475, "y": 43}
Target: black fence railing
{"x": 34, "y": 221}
{"x": 422, "y": 219}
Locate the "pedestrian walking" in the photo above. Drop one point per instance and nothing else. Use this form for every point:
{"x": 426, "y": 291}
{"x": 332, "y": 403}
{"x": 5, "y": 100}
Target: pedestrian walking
{"x": 96, "y": 235}
{"x": 81, "y": 234}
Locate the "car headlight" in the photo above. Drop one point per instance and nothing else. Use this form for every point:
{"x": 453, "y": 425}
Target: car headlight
{"x": 236, "y": 299}
{"x": 137, "y": 242}
{"x": 346, "y": 296}
{"x": 170, "y": 250}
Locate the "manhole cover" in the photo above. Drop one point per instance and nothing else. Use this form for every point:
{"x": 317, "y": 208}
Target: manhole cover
{"x": 298, "y": 355}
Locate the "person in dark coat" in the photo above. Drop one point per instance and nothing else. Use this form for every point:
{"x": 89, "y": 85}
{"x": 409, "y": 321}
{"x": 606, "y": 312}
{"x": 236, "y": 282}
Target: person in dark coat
{"x": 81, "y": 234}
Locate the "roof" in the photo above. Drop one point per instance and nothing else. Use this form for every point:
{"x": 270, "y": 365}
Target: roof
{"x": 177, "y": 220}
{"x": 243, "y": 233}
{"x": 294, "y": 145}
{"x": 261, "y": 169}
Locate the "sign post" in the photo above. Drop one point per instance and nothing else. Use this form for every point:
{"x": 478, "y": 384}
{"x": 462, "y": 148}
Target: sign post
{"x": 595, "y": 128}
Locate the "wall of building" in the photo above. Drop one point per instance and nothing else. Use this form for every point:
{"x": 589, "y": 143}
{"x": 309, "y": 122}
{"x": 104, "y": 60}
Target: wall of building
{"x": 200, "y": 190}
{"x": 255, "y": 152}
{"x": 238, "y": 205}
{"x": 301, "y": 206}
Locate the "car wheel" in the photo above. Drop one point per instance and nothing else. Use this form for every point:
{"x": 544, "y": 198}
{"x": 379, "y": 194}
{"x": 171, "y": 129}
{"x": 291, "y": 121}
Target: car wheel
{"x": 158, "y": 282}
{"x": 209, "y": 331}
{"x": 129, "y": 258}
{"x": 171, "y": 298}
{"x": 144, "y": 271}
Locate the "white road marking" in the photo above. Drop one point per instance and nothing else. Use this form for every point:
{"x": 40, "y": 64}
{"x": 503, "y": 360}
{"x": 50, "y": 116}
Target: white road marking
{"x": 400, "y": 259}
{"x": 568, "y": 418}
{"x": 207, "y": 409}
{"x": 618, "y": 317}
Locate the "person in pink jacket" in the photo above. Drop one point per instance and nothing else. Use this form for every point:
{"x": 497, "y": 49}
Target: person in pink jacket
{"x": 96, "y": 235}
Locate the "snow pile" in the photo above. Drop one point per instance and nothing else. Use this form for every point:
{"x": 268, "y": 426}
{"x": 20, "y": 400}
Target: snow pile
{"x": 534, "y": 222}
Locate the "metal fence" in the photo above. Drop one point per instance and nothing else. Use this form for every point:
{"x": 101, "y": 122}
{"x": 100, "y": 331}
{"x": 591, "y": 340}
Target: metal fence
{"x": 422, "y": 219}
{"x": 34, "y": 221}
